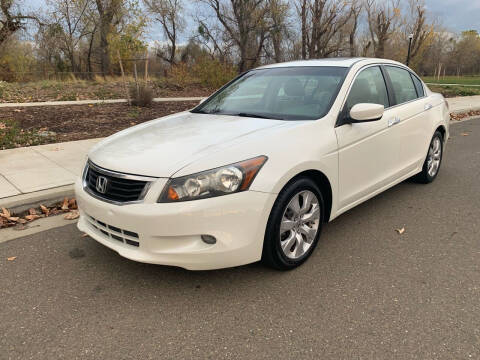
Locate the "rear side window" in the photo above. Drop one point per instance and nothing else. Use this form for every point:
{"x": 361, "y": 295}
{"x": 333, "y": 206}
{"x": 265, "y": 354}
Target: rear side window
{"x": 402, "y": 84}
{"x": 368, "y": 87}
{"x": 418, "y": 86}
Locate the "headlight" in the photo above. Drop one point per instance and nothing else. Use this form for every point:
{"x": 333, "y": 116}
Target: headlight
{"x": 216, "y": 182}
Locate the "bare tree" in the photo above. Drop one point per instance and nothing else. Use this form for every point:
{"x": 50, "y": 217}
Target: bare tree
{"x": 70, "y": 16}
{"x": 418, "y": 26}
{"x": 279, "y": 27}
{"x": 169, "y": 13}
{"x": 12, "y": 20}
{"x": 109, "y": 13}
{"x": 322, "y": 26}
{"x": 213, "y": 39}
{"x": 355, "y": 10}
{"x": 382, "y": 20}
{"x": 302, "y": 9}
{"x": 245, "y": 23}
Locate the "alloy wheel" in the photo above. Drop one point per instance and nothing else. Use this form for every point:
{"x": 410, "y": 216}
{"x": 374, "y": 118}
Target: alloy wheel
{"x": 299, "y": 225}
{"x": 434, "y": 157}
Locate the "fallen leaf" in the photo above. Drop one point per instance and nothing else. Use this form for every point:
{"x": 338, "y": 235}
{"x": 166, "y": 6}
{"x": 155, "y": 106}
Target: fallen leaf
{"x": 400, "y": 231}
{"x": 65, "y": 204}
{"x": 11, "y": 258}
{"x": 72, "y": 215}
{"x": 72, "y": 204}
{"x": 22, "y": 221}
{"x": 13, "y": 218}
{"x": 2, "y": 126}
{"x": 5, "y": 213}
{"x": 45, "y": 210}
{"x": 32, "y": 211}
{"x": 31, "y": 217}
{"x": 465, "y": 134}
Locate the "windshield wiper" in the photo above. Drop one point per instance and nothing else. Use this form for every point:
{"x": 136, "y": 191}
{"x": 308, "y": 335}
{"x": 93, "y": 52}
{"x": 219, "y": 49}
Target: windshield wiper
{"x": 244, "y": 114}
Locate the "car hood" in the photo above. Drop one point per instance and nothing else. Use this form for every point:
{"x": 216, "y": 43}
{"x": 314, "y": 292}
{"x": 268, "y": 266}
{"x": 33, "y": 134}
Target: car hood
{"x": 161, "y": 147}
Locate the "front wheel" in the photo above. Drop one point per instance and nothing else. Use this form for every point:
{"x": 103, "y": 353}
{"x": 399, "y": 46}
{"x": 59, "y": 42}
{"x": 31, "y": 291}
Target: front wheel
{"x": 294, "y": 225}
{"x": 432, "y": 163}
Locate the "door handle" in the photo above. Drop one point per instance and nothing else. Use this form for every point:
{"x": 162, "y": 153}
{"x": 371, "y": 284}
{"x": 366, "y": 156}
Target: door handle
{"x": 393, "y": 121}
{"x": 428, "y": 106}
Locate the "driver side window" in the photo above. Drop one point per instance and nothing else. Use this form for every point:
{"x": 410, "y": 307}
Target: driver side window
{"x": 368, "y": 87}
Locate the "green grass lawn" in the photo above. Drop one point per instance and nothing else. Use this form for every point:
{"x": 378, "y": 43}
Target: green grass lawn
{"x": 463, "y": 80}
{"x": 464, "y": 88}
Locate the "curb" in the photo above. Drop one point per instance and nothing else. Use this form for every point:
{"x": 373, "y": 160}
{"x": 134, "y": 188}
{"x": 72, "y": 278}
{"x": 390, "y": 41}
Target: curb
{"x": 20, "y": 203}
{"x": 473, "y": 108}
{"x": 94, "y": 101}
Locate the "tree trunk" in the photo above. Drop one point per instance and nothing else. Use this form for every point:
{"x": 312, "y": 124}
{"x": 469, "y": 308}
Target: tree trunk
{"x": 104, "y": 53}
{"x": 89, "y": 56}
{"x": 303, "y": 18}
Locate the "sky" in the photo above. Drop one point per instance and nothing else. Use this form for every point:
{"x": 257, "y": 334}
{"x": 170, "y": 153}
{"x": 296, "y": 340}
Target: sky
{"x": 455, "y": 15}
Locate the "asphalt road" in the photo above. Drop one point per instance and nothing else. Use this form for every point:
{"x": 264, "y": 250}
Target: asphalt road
{"x": 366, "y": 293}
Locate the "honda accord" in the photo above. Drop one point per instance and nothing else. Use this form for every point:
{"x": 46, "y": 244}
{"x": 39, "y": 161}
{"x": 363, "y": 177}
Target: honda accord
{"x": 256, "y": 170}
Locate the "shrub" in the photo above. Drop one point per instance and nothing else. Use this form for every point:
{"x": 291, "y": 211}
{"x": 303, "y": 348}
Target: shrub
{"x": 144, "y": 96}
{"x": 213, "y": 74}
{"x": 179, "y": 76}
{"x": 205, "y": 72}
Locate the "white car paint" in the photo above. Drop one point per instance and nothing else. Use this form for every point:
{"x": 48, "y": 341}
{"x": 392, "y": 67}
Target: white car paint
{"x": 359, "y": 160}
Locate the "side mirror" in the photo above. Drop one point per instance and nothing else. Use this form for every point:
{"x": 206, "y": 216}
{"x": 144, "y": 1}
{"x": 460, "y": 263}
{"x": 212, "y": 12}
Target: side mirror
{"x": 366, "y": 112}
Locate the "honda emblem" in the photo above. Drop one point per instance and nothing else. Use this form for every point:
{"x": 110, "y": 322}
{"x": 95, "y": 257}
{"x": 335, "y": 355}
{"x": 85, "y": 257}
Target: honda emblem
{"x": 101, "y": 184}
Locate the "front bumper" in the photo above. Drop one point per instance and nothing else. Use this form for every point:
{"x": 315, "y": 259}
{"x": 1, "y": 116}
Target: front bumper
{"x": 170, "y": 233}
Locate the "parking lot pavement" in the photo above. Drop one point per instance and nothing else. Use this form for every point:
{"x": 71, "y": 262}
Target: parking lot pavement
{"x": 367, "y": 292}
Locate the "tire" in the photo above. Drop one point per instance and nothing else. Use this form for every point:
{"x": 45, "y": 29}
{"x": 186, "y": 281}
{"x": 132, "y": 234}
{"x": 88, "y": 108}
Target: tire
{"x": 433, "y": 161}
{"x": 294, "y": 225}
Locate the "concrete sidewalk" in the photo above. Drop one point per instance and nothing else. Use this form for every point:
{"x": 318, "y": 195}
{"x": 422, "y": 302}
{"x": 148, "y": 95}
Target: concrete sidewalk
{"x": 87, "y": 102}
{"x": 35, "y": 173}
{"x": 464, "y": 103}
{"x": 29, "y": 170}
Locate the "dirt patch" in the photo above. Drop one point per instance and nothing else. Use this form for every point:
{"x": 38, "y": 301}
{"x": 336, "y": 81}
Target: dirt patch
{"x": 50, "y": 124}
{"x": 88, "y": 90}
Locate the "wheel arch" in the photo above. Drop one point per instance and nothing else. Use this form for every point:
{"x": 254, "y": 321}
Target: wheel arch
{"x": 442, "y": 131}
{"x": 323, "y": 183}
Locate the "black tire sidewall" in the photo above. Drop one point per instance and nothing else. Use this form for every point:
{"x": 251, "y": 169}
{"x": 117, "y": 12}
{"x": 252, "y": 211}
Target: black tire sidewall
{"x": 272, "y": 251}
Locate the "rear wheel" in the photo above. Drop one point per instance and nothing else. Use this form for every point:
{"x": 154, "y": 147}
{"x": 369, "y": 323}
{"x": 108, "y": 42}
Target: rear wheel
{"x": 432, "y": 163}
{"x": 294, "y": 225}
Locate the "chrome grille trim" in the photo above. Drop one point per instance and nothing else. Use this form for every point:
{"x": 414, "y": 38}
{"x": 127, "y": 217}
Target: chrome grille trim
{"x": 147, "y": 180}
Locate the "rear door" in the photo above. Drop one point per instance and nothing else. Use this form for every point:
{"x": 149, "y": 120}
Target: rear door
{"x": 368, "y": 151}
{"x": 413, "y": 110}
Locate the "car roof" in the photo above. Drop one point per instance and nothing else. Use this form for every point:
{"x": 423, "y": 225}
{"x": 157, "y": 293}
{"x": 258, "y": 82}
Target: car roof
{"x": 339, "y": 62}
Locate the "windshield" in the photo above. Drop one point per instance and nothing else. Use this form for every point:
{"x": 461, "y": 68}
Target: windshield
{"x": 290, "y": 93}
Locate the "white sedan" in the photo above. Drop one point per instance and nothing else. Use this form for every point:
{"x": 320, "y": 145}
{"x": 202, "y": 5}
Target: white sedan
{"x": 256, "y": 170}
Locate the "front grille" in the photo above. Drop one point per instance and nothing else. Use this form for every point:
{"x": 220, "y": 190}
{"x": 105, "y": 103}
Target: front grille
{"x": 118, "y": 187}
{"x": 113, "y": 232}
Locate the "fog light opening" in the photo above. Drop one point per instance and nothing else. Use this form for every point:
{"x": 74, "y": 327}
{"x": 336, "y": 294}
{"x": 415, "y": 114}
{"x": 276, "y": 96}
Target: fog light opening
{"x": 209, "y": 239}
